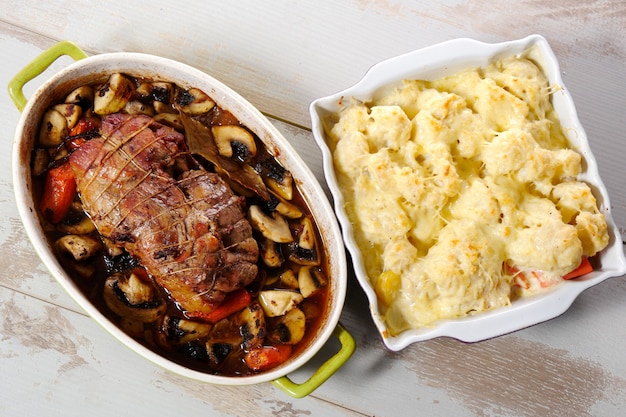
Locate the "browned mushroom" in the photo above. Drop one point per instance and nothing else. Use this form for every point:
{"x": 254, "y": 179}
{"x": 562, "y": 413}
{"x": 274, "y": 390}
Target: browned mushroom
{"x": 133, "y": 296}
{"x": 53, "y": 129}
{"x": 194, "y": 101}
{"x": 179, "y": 331}
{"x": 113, "y": 95}
{"x": 252, "y": 325}
{"x": 234, "y": 142}
{"x": 273, "y": 227}
{"x": 288, "y": 329}
{"x": 279, "y": 302}
{"x": 310, "y": 280}
{"x": 79, "y": 247}
{"x": 270, "y": 253}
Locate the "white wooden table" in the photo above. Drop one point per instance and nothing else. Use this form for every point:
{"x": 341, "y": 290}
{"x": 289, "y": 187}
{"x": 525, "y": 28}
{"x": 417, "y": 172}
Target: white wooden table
{"x": 56, "y": 361}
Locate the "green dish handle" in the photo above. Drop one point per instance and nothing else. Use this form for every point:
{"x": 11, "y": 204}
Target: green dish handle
{"x": 325, "y": 371}
{"x": 39, "y": 65}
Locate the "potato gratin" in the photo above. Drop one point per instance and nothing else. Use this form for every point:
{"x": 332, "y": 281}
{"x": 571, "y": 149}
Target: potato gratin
{"x": 463, "y": 193}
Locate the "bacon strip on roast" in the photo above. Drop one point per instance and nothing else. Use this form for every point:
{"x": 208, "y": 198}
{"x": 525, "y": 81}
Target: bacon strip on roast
{"x": 189, "y": 233}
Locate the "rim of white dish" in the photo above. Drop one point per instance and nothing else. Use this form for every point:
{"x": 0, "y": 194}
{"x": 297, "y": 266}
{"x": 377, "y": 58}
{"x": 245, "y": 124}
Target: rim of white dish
{"x": 437, "y": 61}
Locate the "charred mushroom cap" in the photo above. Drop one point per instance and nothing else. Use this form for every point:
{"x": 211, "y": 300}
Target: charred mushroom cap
{"x": 271, "y": 253}
{"x": 170, "y": 119}
{"x": 71, "y": 112}
{"x": 278, "y": 302}
{"x": 113, "y": 95}
{"x": 276, "y": 177}
{"x": 224, "y": 339}
{"x": 194, "y": 101}
{"x": 272, "y": 226}
{"x": 252, "y": 325}
{"x": 160, "y": 93}
{"x": 77, "y": 225}
{"x": 234, "y": 142}
{"x": 129, "y": 295}
{"x": 310, "y": 280}
{"x": 138, "y": 107}
{"x": 180, "y": 331}
{"x": 53, "y": 129}
{"x": 289, "y": 329}
{"x": 306, "y": 239}
{"x": 79, "y": 247}
{"x": 81, "y": 96}
{"x": 303, "y": 256}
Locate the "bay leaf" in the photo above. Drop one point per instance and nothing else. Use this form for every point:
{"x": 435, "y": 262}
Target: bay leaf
{"x": 200, "y": 141}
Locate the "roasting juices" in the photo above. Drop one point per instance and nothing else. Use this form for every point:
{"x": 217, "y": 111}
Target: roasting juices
{"x": 180, "y": 226}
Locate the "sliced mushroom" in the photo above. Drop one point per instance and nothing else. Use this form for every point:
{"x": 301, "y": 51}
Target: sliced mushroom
{"x": 41, "y": 159}
{"x": 80, "y": 247}
{"x": 252, "y": 325}
{"x": 161, "y": 94}
{"x": 223, "y": 339}
{"x": 288, "y": 279}
{"x": 306, "y": 240}
{"x": 219, "y": 351}
{"x": 80, "y": 226}
{"x": 53, "y": 129}
{"x": 287, "y": 209}
{"x": 270, "y": 253}
{"x": 234, "y": 141}
{"x": 278, "y": 302}
{"x": 112, "y": 249}
{"x": 143, "y": 92}
{"x": 170, "y": 119}
{"x": 194, "y": 101}
{"x": 137, "y": 107}
{"x": 303, "y": 256}
{"x": 275, "y": 176}
{"x": 283, "y": 186}
{"x": 310, "y": 280}
{"x": 71, "y": 112}
{"x": 81, "y": 96}
{"x": 129, "y": 295}
{"x": 289, "y": 329}
{"x": 112, "y": 96}
{"x": 179, "y": 331}
{"x": 273, "y": 227}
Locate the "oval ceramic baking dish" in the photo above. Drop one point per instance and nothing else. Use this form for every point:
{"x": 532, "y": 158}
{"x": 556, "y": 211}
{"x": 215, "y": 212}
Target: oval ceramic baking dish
{"x": 90, "y": 69}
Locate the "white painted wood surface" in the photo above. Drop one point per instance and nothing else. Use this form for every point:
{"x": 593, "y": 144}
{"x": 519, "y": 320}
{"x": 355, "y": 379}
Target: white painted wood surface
{"x": 55, "y": 361}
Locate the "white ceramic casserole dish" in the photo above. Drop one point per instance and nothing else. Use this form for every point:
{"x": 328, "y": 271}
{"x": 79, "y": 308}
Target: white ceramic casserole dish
{"x": 90, "y": 69}
{"x": 433, "y": 63}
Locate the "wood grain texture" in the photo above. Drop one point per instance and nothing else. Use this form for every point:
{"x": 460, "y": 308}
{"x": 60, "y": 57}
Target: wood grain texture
{"x": 56, "y": 361}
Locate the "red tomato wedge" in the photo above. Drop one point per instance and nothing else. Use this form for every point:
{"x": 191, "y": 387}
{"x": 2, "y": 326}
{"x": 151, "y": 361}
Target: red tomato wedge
{"x": 58, "y": 193}
{"x": 267, "y": 357}
{"x": 233, "y": 302}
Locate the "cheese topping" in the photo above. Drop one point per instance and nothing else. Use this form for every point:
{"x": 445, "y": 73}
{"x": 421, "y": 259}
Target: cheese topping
{"x": 463, "y": 193}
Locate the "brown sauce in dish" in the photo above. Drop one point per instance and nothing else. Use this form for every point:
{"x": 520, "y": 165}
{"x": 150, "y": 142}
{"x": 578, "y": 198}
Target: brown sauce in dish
{"x": 241, "y": 327}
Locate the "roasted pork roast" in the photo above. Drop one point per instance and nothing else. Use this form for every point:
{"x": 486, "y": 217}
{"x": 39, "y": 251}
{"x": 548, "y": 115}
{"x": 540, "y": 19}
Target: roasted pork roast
{"x": 187, "y": 230}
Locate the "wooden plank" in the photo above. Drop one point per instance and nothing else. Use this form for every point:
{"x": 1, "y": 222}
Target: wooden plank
{"x": 330, "y": 47}
{"x": 56, "y": 361}
{"x": 59, "y": 363}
